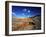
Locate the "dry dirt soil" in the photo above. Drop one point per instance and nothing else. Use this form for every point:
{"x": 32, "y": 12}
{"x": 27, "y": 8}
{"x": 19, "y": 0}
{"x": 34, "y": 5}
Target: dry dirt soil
{"x": 26, "y": 23}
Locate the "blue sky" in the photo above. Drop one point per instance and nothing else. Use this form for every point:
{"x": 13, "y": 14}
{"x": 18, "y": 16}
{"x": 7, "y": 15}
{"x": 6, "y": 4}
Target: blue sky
{"x": 25, "y": 12}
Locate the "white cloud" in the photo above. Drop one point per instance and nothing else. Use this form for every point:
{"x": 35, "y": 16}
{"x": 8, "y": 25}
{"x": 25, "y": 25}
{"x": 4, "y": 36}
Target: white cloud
{"x": 13, "y": 13}
{"x": 25, "y": 9}
{"x": 28, "y": 11}
{"x": 23, "y": 14}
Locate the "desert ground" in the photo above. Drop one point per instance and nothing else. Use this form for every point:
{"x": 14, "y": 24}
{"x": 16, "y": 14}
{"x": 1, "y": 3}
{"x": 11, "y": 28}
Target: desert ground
{"x": 31, "y": 23}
